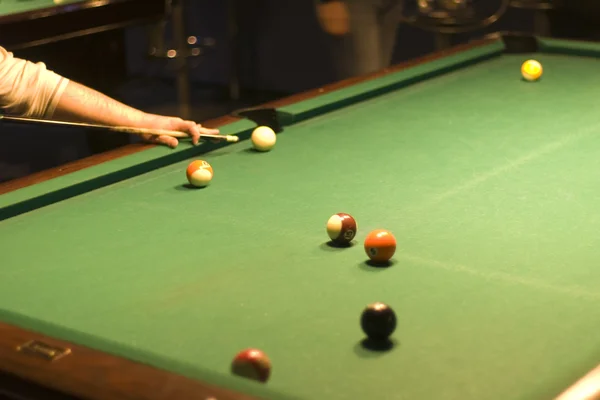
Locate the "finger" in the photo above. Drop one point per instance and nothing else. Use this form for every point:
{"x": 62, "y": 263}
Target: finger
{"x": 208, "y": 131}
{"x": 194, "y": 132}
{"x": 169, "y": 141}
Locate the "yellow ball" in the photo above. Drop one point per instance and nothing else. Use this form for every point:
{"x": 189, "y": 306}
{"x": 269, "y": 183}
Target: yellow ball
{"x": 531, "y": 70}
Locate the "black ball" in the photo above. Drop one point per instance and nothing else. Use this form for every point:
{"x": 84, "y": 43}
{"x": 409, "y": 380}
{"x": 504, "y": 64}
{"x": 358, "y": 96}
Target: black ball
{"x": 378, "y": 321}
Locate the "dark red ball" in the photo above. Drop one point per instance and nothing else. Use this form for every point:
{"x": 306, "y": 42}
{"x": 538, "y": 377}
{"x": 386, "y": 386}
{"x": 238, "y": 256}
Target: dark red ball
{"x": 252, "y": 364}
{"x": 341, "y": 228}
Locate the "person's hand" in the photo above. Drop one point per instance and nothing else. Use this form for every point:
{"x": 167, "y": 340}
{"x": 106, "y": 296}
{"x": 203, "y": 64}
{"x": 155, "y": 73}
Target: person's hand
{"x": 334, "y": 17}
{"x": 174, "y": 124}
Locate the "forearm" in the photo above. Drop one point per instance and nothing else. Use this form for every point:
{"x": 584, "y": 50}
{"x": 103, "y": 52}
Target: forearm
{"x": 31, "y": 90}
{"x": 79, "y": 103}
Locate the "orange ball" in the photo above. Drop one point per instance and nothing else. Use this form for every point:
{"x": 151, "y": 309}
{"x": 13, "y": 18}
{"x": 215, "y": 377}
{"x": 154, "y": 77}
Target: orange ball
{"x": 199, "y": 173}
{"x": 380, "y": 245}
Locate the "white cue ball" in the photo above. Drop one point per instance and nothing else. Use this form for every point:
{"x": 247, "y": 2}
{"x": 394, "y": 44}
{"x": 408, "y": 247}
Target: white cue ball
{"x": 263, "y": 138}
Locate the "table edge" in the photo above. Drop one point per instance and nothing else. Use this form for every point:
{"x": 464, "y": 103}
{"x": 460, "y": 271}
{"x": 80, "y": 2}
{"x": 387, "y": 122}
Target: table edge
{"x": 56, "y": 9}
{"x": 92, "y": 374}
{"x": 20, "y": 30}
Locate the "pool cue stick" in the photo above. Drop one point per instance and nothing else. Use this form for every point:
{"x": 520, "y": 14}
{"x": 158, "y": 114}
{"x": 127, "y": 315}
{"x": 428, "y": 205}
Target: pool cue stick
{"x": 587, "y": 388}
{"x": 120, "y": 129}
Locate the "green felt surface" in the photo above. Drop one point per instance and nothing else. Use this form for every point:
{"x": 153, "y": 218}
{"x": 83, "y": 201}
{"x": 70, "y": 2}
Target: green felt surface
{"x": 48, "y": 192}
{"x": 489, "y": 183}
{"x": 9, "y": 7}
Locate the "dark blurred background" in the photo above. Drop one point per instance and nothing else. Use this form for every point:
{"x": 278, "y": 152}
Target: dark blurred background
{"x": 238, "y": 53}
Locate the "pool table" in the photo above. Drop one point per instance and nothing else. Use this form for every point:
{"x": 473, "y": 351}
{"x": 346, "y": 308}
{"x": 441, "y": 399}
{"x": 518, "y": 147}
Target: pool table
{"x": 27, "y": 23}
{"x": 120, "y": 281}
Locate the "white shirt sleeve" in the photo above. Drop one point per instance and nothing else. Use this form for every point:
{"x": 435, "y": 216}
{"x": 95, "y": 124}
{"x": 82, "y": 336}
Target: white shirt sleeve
{"x": 28, "y": 89}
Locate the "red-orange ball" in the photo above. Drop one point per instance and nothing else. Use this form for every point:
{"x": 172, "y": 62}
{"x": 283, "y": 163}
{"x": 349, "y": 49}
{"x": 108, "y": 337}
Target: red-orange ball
{"x": 252, "y": 364}
{"x": 380, "y": 245}
{"x": 199, "y": 173}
